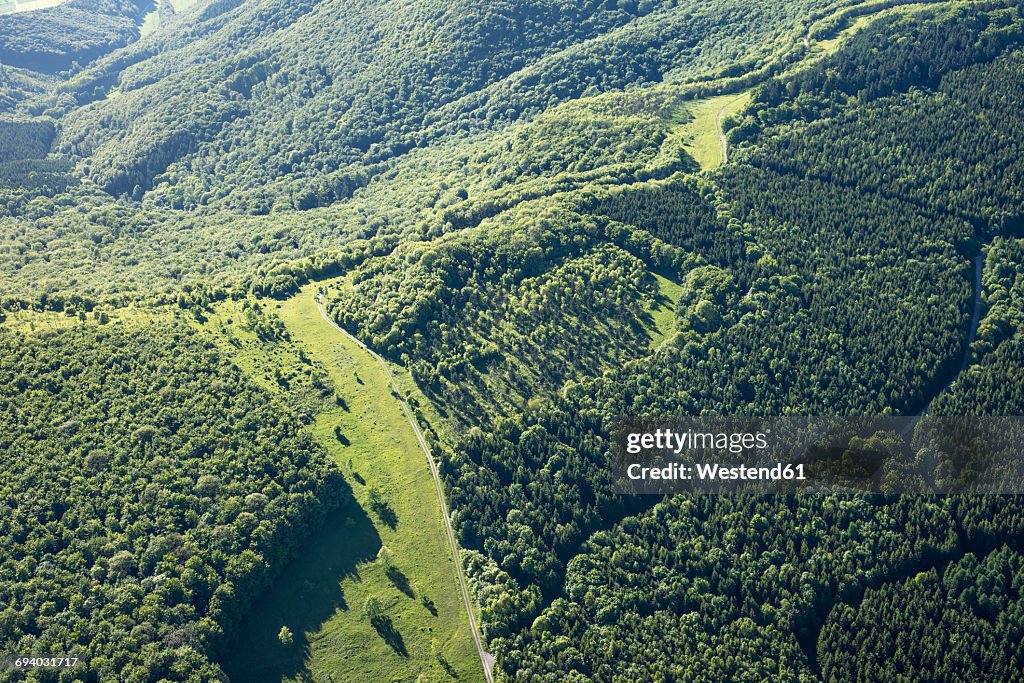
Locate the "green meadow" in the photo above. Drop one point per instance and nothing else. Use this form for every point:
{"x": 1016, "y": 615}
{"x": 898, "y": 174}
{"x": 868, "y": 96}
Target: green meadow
{"x": 393, "y": 551}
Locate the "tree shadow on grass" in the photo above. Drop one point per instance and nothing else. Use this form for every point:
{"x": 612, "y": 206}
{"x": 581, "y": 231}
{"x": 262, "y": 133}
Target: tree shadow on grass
{"x": 400, "y": 580}
{"x": 382, "y": 509}
{"x": 385, "y": 628}
{"x": 306, "y": 594}
{"x": 387, "y": 515}
{"x": 429, "y": 604}
{"x": 447, "y": 666}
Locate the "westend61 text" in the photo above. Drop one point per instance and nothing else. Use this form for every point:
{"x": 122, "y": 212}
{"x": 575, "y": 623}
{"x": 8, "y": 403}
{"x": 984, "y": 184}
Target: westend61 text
{"x": 714, "y": 472}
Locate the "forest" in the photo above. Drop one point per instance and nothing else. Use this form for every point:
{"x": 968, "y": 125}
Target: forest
{"x": 150, "y": 495}
{"x": 500, "y": 198}
{"x": 791, "y": 343}
{"x": 56, "y": 39}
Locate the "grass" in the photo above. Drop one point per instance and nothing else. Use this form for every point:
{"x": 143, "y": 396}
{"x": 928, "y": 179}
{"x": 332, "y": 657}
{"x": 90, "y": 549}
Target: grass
{"x": 821, "y": 48}
{"x": 321, "y": 597}
{"x": 31, "y": 322}
{"x": 151, "y": 21}
{"x": 28, "y": 322}
{"x": 701, "y": 132}
{"x": 426, "y": 411}
{"x": 663, "y": 311}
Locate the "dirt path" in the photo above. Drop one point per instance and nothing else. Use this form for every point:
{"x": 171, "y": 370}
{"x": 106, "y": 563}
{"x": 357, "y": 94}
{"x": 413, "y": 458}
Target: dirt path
{"x": 486, "y": 658}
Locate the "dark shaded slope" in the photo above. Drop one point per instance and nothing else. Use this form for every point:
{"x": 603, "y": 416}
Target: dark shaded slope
{"x": 79, "y": 31}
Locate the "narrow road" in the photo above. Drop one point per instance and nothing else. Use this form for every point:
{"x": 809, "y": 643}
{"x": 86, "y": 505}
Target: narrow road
{"x": 718, "y": 126}
{"x": 979, "y": 263}
{"x": 486, "y": 658}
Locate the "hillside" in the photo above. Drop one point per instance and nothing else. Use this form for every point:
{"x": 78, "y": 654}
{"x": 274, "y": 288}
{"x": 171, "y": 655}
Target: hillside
{"x": 304, "y": 113}
{"x": 58, "y": 38}
{"x": 144, "y": 508}
{"x": 543, "y": 215}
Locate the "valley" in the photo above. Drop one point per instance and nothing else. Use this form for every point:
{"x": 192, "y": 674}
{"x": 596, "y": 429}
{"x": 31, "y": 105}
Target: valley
{"x": 315, "y": 316}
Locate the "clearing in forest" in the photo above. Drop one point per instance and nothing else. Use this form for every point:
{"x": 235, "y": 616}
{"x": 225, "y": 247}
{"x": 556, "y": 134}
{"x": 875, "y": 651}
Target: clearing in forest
{"x": 393, "y": 549}
{"x": 702, "y": 134}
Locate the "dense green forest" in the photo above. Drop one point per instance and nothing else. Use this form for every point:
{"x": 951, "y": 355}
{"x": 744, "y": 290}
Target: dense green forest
{"x": 498, "y": 199}
{"x": 18, "y": 85}
{"x": 150, "y": 495}
{"x": 916, "y": 625}
{"x": 484, "y": 313}
{"x": 183, "y": 119}
{"x": 306, "y": 117}
{"x": 794, "y": 324}
{"x": 73, "y": 34}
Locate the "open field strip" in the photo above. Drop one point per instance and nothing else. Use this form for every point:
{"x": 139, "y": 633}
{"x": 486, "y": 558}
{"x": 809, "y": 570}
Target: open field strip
{"x": 401, "y": 558}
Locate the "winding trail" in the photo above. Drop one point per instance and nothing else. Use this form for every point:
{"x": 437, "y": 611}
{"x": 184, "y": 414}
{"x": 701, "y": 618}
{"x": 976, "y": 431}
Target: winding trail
{"x": 979, "y": 263}
{"x": 486, "y": 658}
{"x": 730, "y": 103}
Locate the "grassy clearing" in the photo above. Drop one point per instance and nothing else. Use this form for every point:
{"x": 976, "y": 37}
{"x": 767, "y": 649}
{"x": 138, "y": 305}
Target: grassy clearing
{"x": 400, "y": 557}
{"x": 701, "y": 133}
{"x": 822, "y": 48}
{"x": 30, "y": 322}
{"x": 663, "y": 311}
{"x": 426, "y": 412}
{"x": 151, "y": 21}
